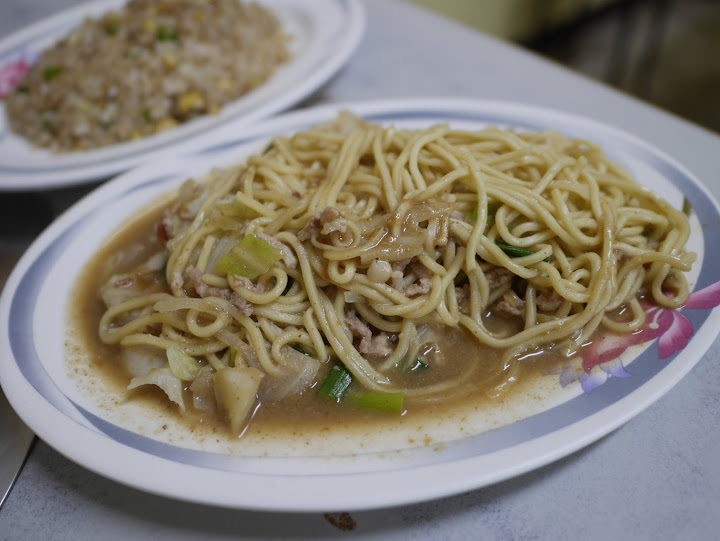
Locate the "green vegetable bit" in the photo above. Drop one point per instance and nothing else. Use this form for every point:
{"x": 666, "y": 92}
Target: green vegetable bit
{"x": 236, "y": 209}
{"x": 336, "y": 387}
{"x": 492, "y": 208}
{"x": 418, "y": 366}
{"x": 389, "y": 402}
{"x": 514, "y": 251}
{"x": 336, "y": 383}
{"x": 147, "y": 115}
{"x": 471, "y": 217}
{"x": 250, "y": 258}
{"x": 233, "y": 357}
{"x": 51, "y": 72}
{"x": 182, "y": 365}
{"x": 166, "y": 33}
{"x": 687, "y": 207}
{"x": 112, "y": 28}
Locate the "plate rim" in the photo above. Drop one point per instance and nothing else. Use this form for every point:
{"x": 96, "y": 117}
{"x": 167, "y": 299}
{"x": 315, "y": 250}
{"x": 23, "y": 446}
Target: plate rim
{"x": 548, "y": 448}
{"x": 323, "y": 67}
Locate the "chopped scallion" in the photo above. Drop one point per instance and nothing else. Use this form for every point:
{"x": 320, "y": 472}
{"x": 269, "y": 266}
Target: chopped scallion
{"x": 336, "y": 383}
{"x": 686, "y": 207}
{"x": 51, "y": 72}
{"x": 514, "y": 251}
{"x": 112, "y": 28}
{"x": 389, "y": 402}
{"x": 418, "y": 366}
{"x": 166, "y": 33}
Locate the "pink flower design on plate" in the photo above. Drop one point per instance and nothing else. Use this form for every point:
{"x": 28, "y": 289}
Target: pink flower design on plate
{"x": 12, "y": 73}
{"x": 601, "y": 358}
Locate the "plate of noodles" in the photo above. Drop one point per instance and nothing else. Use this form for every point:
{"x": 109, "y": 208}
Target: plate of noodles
{"x": 426, "y": 296}
{"x": 99, "y": 88}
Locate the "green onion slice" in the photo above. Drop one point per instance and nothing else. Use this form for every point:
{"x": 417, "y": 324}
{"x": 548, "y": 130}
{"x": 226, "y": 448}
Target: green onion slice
{"x": 389, "y": 402}
{"x": 686, "y": 207}
{"x": 336, "y": 383}
{"x": 418, "y": 366}
{"x": 51, "y": 72}
{"x": 514, "y": 251}
{"x": 167, "y": 33}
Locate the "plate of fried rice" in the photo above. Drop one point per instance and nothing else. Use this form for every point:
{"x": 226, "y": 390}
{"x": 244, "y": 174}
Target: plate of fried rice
{"x": 105, "y": 86}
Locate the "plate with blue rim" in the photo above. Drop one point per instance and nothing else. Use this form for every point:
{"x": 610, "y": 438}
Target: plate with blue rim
{"x": 323, "y": 36}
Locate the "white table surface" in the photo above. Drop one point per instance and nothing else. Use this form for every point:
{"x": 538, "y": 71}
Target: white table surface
{"x": 657, "y": 477}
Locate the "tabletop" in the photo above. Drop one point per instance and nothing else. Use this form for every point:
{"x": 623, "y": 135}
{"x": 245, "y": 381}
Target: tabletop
{"x": 656, "y": 477}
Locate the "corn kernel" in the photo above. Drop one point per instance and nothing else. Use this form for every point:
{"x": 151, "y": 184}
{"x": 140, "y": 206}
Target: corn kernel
{"x": 190, "y": 101}
{"x": 169, "y": 61}
{"x": 165, "y": 124}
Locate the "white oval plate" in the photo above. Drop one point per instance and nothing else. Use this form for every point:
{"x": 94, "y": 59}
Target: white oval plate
{"x": 34, "y": 373}
{"x": 324, "y": 33}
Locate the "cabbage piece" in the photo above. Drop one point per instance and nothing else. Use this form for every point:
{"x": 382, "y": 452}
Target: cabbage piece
{"x": 182, "y": 365}
{"x": 236, "y": 209}
{"x": 202, "y": 390}
{"x": 235, "y": 390}
{"x": 299, "y": 371}
{"x": 250, "y": 258}
{"x": 139, "y": 360}
{"x": 163, "y": 378}
{"x": 146, "y": 278}
{"x": 405, "y": 246}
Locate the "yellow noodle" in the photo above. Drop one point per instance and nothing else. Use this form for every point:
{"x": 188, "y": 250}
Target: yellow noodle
{"x": 346, "y": 195}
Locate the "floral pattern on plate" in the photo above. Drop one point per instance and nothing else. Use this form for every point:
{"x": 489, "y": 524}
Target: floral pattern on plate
{"x": 11, "y": 73}
{"x": 603, "y": 358}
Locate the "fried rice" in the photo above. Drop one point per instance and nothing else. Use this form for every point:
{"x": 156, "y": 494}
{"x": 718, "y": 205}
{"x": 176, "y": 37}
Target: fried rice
{"x": 143, "y": 69}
